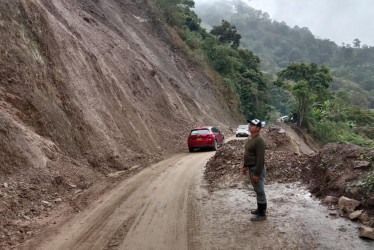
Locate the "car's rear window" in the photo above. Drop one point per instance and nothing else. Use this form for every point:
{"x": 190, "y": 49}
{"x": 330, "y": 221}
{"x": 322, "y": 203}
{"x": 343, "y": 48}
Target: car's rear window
{"x": 243, "y": 126}
{"x": 199, "y": 131}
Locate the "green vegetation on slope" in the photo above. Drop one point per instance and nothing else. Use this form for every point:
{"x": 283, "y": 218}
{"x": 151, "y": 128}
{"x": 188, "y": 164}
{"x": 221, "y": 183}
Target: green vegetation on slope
{"x": 335, "y": 114}
{"x": 304, "y": 89}
{"x": 238, "y": 68}
{"x": 278, "y": 45}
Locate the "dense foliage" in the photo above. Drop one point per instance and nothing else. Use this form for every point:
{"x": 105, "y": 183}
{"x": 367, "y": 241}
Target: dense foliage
{"x": 227, "y": 34}
{"x": 332, "y": 110}
{"x": 308, "y": 84}
{"x": 238, "y": 67}
{"x": 278, "y": 45}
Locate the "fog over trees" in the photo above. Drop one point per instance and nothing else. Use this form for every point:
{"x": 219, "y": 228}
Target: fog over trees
{"x": 285, "y": 52}
{"x": 338, "y": 20}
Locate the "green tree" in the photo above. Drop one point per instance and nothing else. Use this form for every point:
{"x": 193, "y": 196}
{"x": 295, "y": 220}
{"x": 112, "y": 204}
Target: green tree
{"x": 227, "y": 34}
{"x": 173, "y": 10}
{"x": 308, "y": 83}
{"x": 224, "y": 59}
{"x": 356, "y": 43}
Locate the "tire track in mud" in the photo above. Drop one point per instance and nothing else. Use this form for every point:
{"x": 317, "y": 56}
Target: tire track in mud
{"x": 100, "y": 224}
{"x": 164, "y": 225}
{"x": 167, "y": 206}
{"x": 121, "y": 233}
{"x": 149, "y": 210}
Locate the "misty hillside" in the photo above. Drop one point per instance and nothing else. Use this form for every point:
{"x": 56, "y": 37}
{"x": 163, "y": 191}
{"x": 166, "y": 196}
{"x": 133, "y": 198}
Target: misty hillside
{"x": 277, "y": 45}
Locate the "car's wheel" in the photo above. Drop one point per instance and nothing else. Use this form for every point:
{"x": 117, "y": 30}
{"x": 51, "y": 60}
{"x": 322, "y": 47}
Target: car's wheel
{"x": 215, "y": 145}
{"x": 237, "y": 135}
{"x": 191, "y": 150}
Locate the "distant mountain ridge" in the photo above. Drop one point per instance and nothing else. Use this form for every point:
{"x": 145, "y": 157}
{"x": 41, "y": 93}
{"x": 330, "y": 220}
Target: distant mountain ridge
{"x": 277, "y": 45}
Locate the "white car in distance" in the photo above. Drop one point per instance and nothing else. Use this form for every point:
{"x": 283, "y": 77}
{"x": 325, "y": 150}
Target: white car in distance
{"x": 242, "y": 130}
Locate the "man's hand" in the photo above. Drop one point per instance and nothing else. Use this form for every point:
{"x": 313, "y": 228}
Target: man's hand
{"x": 254, "y": 178}
{"x": 244, "y": 171}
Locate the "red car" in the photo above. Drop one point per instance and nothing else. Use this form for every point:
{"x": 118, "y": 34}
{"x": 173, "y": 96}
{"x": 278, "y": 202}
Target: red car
{"x": 205, "y": 137}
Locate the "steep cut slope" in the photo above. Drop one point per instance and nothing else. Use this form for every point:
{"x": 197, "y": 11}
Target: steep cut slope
{"x": 86, "y": 88}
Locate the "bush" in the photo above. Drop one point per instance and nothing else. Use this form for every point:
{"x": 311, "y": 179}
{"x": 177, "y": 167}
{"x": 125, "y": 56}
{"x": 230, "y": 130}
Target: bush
{"x": 366, "y": 130}
{"x": 328, "y": 131}
{"x": 192, "y": 39}
{"x": 224, "y": 59}
{"x": 366, "y": 184}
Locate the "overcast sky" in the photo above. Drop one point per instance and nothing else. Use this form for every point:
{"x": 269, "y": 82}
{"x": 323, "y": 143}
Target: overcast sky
{"x": 337, "y": 20}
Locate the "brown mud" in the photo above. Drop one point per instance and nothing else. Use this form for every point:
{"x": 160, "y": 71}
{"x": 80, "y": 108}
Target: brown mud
{"x": 169, "y": 206}
{"x": 291, "y": 176}
{"x": 88, "y": 90}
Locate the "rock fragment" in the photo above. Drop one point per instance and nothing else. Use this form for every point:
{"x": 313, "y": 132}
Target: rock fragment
{"x": 47, "y": 203}
{"x": 366, "y": 232}
{"x": 330, "y": 200}
{"x": 58, "y": 200}
{"x": 361, "y": 164}
{"x": 347, "y": 205}
{"x": 355, "y": 214}
{"x": 363, "y": 218}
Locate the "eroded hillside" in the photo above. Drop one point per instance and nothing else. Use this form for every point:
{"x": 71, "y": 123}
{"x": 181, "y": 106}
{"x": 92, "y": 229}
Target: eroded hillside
{"x": 88, "y": 88}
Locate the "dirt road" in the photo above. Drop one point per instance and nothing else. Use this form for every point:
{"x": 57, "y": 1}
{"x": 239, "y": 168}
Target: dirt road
{"x": 168, "y": 207}
{"x": 148, "y": 211}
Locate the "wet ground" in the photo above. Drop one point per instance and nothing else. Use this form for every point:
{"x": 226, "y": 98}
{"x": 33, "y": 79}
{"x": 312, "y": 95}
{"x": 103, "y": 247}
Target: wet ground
{"x": 296, "y": 220}
{"x": 169, "y": 206}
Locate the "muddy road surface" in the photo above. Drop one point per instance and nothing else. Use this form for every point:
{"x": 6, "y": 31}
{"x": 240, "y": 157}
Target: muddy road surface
{"x": 148, "y": 211}
{"x": 168, "y": 206}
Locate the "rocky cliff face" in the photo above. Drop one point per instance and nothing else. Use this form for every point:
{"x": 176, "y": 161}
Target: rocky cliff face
{"x": 90, "y": 87}
{"x": 93, "y": 79}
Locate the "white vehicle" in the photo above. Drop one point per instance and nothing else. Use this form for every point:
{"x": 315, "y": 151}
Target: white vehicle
{"x": 242, "y": 130}
{"x": 284, "y": 118}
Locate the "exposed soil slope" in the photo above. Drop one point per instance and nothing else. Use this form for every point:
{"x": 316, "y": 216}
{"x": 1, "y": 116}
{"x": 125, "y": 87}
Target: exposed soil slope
{"x": 87, "y": 88}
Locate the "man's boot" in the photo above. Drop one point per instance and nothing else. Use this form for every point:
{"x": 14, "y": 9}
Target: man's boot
{"x": 254, "y": 211}
{"x": 261, "y": 212}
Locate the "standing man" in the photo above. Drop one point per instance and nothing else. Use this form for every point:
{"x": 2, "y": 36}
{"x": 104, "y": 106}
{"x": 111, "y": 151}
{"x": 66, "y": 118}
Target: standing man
{"x": 254, "y": 159}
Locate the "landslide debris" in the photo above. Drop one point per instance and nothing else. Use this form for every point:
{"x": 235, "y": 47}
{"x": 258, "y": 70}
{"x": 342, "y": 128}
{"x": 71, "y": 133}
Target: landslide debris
{"x": 339, "y": 170}
{"x": 283, "y": 163}
{"x": 88, "y": 89}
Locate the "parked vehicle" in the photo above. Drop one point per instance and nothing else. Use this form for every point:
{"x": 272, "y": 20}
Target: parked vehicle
{"x": 284, "y": 118}
{"x": 242, "y": 130}
{"x": 205, "y": 137}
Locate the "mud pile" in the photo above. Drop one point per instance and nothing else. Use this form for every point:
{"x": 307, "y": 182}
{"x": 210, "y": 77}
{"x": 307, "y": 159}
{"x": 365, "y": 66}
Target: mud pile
{"x": 283, "y": 166}
{"x": 282, "y": 162}
{"x": 223, "y": 170}
{"x": 277, "y": 139}
{"x": 341, "y": 169}
{"x": 338, "y": 170}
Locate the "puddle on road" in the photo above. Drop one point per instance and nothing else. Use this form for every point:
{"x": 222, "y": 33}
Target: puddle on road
{"x": 296, "y": 220}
